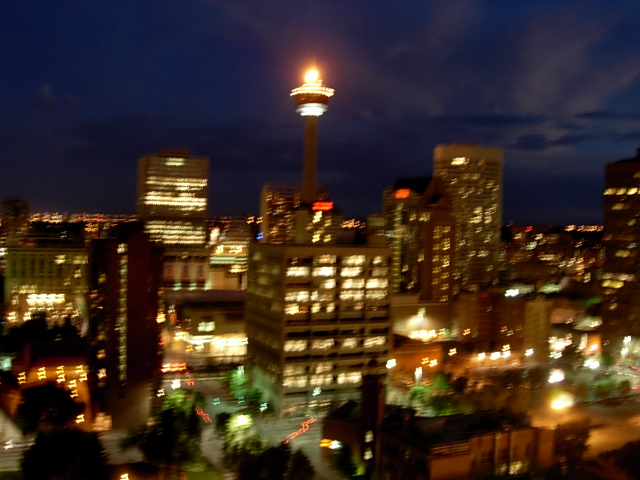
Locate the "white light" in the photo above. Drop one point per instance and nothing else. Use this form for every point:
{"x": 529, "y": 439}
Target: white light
{"x": 391, "y": 363}
{"x": 512, "y": 292}
{"x": 556, "y": 376}
{"x": 311, "y": 109}
{"x": 591, "y": 363}
{"x": 335, "y": 445}
{"x": 528, "y": 352}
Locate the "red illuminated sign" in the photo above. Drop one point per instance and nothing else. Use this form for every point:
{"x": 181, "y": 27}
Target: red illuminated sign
{"x": 402, "y": 193}
{"x": 322, "y": 206}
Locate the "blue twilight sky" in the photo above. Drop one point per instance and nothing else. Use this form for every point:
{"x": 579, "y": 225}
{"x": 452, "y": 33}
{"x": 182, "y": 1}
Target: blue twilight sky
{"x": 88, "y": 87}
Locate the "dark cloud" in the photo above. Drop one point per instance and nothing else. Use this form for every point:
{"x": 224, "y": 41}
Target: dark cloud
{"x": 90, "y": 87}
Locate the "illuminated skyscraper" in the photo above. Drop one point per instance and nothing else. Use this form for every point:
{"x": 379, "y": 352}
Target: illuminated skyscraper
{"x": 316, "y": 315}
{"x": 172, "y": 197}
{"x": 472, "y": 175}
{"x": 621, "y": 275}
{"x": 279, "y": 210}
{"x": 422, "y": 237}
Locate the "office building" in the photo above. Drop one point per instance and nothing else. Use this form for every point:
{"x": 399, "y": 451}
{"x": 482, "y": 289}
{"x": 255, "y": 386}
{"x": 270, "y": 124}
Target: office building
{"x": 15, "y": 217}
{"x": 279, "y": 207}
{"x": 621, "y": 238}
{"x": 172, "y": 197}
{"x": 125, "y": 286}
{"x": 172, "y": 204}
{"x": 316, "y": 315}
{"x": 472, "y": 175}
{"x": 46, "y": 271}
{"x": 228, "y": 259}
{"x": 421, "y": 232}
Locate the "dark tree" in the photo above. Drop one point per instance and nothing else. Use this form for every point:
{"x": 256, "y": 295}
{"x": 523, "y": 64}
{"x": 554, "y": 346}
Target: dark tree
{"x": 46, "y": 406}
{"x": 342, "y": 460}
{"x": 300, "y": 467}
{"x": 222, "y": 423}
{"x": 459, "y": 385}
{"x": 172, "y": 439}
{"x": 570, "y": 442}
{"x": 65, "y": 453}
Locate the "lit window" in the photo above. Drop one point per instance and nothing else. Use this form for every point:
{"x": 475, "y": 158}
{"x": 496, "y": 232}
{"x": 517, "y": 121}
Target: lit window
{"x": 351, "y": 271}
{"x": 295, "y": 345}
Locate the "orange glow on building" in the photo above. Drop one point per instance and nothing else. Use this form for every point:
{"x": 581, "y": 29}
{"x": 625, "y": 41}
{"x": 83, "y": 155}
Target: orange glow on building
{"x": 322, "y": 206}
{"x": 402, "y": 193}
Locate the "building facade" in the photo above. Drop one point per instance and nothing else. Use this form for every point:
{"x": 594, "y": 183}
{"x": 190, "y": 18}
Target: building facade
{"x": 125, "y": 272}
{"x": 472, "y": 175}
{"x": 46, "y": 272}
{"x": 621, "y": 239}
{"x": 172, "y": 197}
{"x": 316, "y": 315}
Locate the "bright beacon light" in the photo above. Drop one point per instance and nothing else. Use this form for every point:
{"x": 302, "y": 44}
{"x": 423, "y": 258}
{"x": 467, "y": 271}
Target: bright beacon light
{"x": 312, "y": 76}
{"x": 312, "y": 96}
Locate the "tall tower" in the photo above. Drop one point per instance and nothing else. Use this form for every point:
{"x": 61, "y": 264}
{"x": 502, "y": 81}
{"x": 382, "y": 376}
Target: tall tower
{"x": 312, "y": 99}
{"x": 621, "y": 277}
{"x": 472, "y": 175}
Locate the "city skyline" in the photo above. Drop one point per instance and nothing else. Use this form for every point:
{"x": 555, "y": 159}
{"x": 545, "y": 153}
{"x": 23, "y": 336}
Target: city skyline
{"x": 88, "y": 89}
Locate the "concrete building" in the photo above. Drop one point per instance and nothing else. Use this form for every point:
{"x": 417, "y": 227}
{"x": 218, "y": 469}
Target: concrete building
{"x": 420, "y": 230}
{"x": 620, "y": 278}
{"x": 504, "y": 329}
{"x": 279, "y": 207}
{"x": 316, "y": 315}
{"x": 15, "y": 218}
{"x": 472, "y": 175}
{"x": 172, "y": 203}
{"x": 46, "y": 271}
{"x": 125, "y": 333}
{"x": 229, "y": 252}
{"x": 211, "y": 324}
{"x": 482, "y": 445}
{"x": 392, "y": 442}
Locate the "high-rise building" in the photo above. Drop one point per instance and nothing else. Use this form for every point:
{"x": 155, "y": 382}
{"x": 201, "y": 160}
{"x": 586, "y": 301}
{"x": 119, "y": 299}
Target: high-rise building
{"x": 316, "y": 315}
{"x": 125, "y": 285}
{"x": 420, "y": 231}
{"x": 421, "y": 234}
{"x": 172, "y": 197}
{"x": 621, "y": 277}
{"x": 472, "y": 175}
{"x": 15, "y": 217}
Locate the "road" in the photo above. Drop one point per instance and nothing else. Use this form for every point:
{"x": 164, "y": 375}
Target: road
{"x": 612, "y": 425}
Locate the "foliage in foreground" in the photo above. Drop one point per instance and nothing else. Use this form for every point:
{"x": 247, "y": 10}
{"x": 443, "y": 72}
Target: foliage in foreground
{"x": 570, "y": 440}
{"x": 171, "y": 440}
{"x": 65, "y": 453}
{"x": 253, "y": 459}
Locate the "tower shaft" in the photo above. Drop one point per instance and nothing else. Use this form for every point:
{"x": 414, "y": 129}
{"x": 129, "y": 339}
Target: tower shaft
{"x": 310, "y": 161}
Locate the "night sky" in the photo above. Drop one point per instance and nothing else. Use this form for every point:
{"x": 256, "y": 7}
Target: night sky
{"x": 88, "y": 87}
